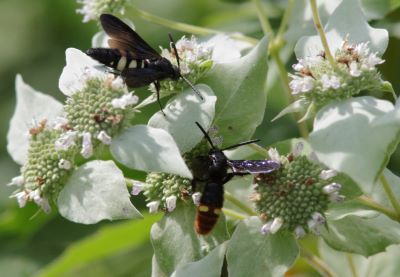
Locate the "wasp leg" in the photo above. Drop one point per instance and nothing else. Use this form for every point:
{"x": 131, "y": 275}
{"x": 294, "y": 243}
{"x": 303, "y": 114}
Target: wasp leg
{"x": 157, "y": 85}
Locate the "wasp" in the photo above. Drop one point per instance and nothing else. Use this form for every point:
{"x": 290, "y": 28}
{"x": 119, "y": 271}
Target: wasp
{"x": 215, "y": 170}
{"x": 133, "y": 59}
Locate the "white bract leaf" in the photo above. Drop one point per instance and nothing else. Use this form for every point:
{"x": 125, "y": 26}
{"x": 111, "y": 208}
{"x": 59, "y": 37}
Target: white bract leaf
{"x": 299, "y": 105}
{"x": 182, "y": 113}
{"x": 96, "y": 191}
{"x": 31, "y": 105}
{"x": 347, "y": 19}
{"x": 356, "y": 137}
{"x": 149, "y": 149}
{"x": 78, "y": 68}
{"x": 226, "y": 49}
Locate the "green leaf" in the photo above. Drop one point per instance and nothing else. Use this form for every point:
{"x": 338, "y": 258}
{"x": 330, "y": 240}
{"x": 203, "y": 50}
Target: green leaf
{"x": 379, "y": 194}
{"x": 176, "y": 243}
{"x": 362, "y": 236}
{"x": 149, "y": 149}
{"x": 96, "y": 191}
{"x": 182, "y": 113}
{"x": 378, "y": 9}
{"x": 344, "y": 264}
{"x": 252, "y": 254}
{"x": 240, "y": 89}
{"x": 347, "y": 19}
{"x": 343, "y": 138}
{"x": 210, "y": 265}
{"x": 299, "y": 105}
{"x": 31, "y": 105}
{"x": 108, "y": 242}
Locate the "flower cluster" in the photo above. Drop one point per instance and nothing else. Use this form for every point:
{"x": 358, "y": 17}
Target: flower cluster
{"x": 92, "y": 9}
{"x": 296, "y": 196}
{"x": 194, "y": 58}
{"x": 318, "y": 82}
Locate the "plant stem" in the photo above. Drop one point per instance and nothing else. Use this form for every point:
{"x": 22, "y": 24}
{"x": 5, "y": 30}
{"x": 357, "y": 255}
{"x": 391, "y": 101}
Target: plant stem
{"x": 285, "y": 18}
{"x": 266, "y": 27}
{"x": 321, "y": 32}
{"x": 390, "y": 194}
{"x": 238, "y": 203}
{"x": 376, "y": 206}
{"x": 186, "y": 27}
{"x": 233, "y": 214}
{"x": 351, "y": 265}
{"x": 316, "y": 263}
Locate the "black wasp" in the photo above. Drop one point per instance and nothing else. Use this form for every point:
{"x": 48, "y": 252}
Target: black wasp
{"x": 132, "y": 58}
{"x": 215, "y": 170}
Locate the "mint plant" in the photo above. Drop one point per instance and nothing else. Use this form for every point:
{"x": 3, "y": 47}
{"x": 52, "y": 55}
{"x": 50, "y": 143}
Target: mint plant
{"x": 333, "y": 186}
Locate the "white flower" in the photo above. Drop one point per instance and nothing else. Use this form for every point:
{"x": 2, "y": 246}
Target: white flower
{"x": 124, "y": 101}
{"x": 78, "y": 69}
{"x": 171, "y": 203}
{"x": 196, "y": 198}
{"x": 331, "y": 188}
{"x": 327, "y": 174}
{"x": 87, "y": 147}
{"x": 64, "y": 164}
{"x": 91, "y": 9}
{"x": 225, "y": 49}
{"x": 301, "y": 84}
{"x": 274, "y": 155}
{"x": 330, "y": 82}
{"x": 21, "y": 197}
{"x": 299, "y": 232}
{"x": 136, "y": 187}
{"x": 354, "y": 70}
{"x": 276, "y": 225}
{"x": 18, "y": 181}
{"x": 117, "y": 82}
{"x": 266, "y": 228}
{"x": 66, "y": 140}
{"x": 40, "y": 201}
{"x": 371, "y": 61}
{"x": 60, "y": 122}
{"x": 153, "y": 206}
{"x": 336, "y": 197}
{"x": 362, "y": 49}
{"x": 298, "y": 148}
{"x": 104, "y": 138}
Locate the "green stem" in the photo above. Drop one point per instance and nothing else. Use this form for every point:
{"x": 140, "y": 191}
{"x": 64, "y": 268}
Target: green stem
{"x": 233, "y": 214}
{"x": 390, "y": 194}
{"x": 321, "y": 32}
{"x": 238, "y": 203}
{"x": 378, "y": 207}
{"x": 266, "y": 27}
{"x": 186, "y": 27}
{"x": 316, "y": 263}
{"x": 351, "y": 265}
{"x": 285, "y": 18}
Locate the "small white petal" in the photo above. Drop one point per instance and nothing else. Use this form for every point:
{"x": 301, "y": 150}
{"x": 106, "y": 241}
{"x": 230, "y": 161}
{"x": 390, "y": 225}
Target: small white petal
{"x": 196, "y": 198}
{"x": 124, "y": 101}
{"x": 336, "y": 197}
{"x": 298, "y": 148}
{"x": 274, "y": 155}
{"x": 362, "y": 49}
{"x": 136, "y": 187}
{"x": 276, "y": 225}
{"x": 104, "y": 138}
{"x": 22, "y": 197}
{"x": 266, "y": 228}
{"x": 35, "y": 195}
{"x": 301, "y": 85}
{"x": 44, "y": 204}
{"x": 87, "y": 147}
{"x": 299, "y": 232}
{"x": 117, "y": 83}
{"x": 330, "y": 82}
{"x": 318, "y": 218}
{"x": 331, "y": 188}
{"x": 65, "y": 141}
{"x": 64, "y": 164}
{"x": 171, "y": 203}
{"x": 354, "y": 70}
{"x": 153, "y": 206}
{"x": 327, "y": 174}
{"x": 18, "y": 181}
{"x": 60, "y": 122}
{"x": 371, "y": 61}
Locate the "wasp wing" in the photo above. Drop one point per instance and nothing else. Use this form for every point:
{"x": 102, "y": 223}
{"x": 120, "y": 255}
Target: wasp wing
{"x": 139, "y": 77}
{"x": 253, "y": 166}
{"x": 124, "y": 38}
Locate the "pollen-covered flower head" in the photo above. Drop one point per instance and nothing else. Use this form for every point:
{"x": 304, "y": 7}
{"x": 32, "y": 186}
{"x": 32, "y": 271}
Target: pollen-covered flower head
{"x": 296, "y": 196}
{"x": 316, "y": 81}
{"x": 92, "y": 9}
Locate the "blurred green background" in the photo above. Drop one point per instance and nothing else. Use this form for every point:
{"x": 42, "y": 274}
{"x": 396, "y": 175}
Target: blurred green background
{"x": 34, "y": 36}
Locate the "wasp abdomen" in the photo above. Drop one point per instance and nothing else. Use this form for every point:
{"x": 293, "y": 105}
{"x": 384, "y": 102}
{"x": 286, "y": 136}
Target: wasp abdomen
{"x": 115, "y": 58}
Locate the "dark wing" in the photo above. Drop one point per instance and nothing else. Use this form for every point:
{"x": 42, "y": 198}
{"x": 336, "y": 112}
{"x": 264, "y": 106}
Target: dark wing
{"x": 124, "y": 38}
{"x": 253, "y": 166}
{"x": 140, "y": 77}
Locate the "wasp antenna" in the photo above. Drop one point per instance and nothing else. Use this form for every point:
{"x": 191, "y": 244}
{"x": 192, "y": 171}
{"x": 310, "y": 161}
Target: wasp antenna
{"x": 193, "y": 87}
{"x": 205, "y": 135}
{"x": 176, "y": 51}
{"x": 240, "y": 144}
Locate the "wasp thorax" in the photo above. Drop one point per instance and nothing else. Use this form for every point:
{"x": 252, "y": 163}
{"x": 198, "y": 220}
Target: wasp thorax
{"x": 295, "y": 197}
